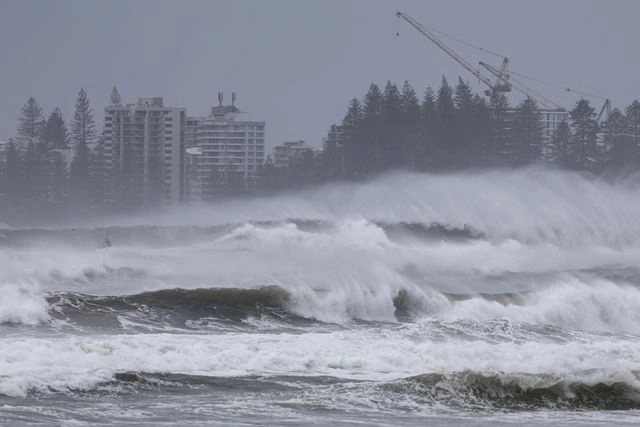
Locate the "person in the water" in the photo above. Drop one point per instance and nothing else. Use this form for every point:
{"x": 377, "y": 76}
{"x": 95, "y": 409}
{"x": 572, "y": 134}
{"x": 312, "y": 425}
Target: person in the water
{"x": 106, "y": 243}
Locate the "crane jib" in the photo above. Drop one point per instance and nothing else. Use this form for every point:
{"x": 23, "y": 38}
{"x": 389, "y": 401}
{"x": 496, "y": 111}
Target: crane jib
{"x": 501, "y": 84}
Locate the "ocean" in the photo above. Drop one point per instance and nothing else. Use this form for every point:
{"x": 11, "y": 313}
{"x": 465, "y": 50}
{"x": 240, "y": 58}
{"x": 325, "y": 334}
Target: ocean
{"x": 481, "y": 298}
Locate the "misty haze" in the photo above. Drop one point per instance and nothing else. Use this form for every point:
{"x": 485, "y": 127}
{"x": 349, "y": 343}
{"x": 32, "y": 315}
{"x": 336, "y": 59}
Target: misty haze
{"x": 319, "y": 213}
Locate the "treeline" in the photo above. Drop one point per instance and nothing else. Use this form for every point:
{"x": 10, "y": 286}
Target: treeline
{"x": 452, "y": 129}
{"x": 35, "y": 182}
{"x": 445, "y": 130}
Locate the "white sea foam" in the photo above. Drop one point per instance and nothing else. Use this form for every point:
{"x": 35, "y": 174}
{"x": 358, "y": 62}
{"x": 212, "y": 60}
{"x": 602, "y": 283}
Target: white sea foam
{"x": 353, "y": 271}
{"x": 22, "y": 304}
{"x": 80, "y": 363}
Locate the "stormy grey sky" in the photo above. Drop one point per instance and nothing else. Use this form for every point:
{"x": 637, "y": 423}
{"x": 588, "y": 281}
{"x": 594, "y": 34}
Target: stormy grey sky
{"x": 295, "y": 64}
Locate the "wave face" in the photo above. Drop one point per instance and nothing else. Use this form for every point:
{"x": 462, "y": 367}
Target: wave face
{"x": 521, "y": 392}
{"x": 431, "y": 295}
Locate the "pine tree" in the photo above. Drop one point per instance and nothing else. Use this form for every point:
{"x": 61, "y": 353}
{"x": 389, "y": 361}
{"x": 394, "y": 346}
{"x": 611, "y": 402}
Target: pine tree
{"x": 353, "y": 151}
{"x": 391, "y": 150}
{"x": 33, "y": 177}
{"x": 83, "y": 126}
{"x": 427, "y": 130}
{"x": 527, "y": 133}
{"x": 30, "y": 122}
{"x": 55, "y": 133}
{"x": 83, "y": 133}
{"x": 463, "y": 141}
{"x": 445, "y": 126}
{"x": 369, "y": 149}
{"x": 115, "y": 97}
{"x": 619, "y": 148}
{"x": 632, "y": 113}
{"x": 584, "y": 150}
{"x": 410, "y": 122}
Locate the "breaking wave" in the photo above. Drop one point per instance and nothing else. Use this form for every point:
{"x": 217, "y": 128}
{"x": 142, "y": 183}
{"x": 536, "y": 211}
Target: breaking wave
{"x": 467, "y": 390}
{"x": 595, "y": 305}
{"x": 529, "y": 205}
{"x": 22, "y": 305}
{"x": 475, "y": 390}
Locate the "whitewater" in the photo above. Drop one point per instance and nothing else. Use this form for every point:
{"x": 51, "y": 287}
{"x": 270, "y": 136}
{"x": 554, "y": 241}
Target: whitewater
{"x": 476, "y": 298}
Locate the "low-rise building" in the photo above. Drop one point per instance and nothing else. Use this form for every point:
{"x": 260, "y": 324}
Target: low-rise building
{"x": 287, "y": 152}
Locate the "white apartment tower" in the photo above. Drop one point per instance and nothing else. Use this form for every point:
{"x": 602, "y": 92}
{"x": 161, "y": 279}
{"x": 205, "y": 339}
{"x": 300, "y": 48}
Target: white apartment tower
{"x": 144, "y": 147}
{"x": 226, "y": 145}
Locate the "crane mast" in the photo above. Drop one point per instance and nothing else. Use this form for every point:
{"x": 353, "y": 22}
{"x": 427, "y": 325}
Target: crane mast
{"x": 502, "y": 83}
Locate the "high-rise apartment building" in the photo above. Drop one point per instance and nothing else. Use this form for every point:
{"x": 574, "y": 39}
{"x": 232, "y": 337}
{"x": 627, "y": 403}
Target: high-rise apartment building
{"x": 144, "y": 146}
{"x": 228, "y": 150}
{"x": 549, "y": 122}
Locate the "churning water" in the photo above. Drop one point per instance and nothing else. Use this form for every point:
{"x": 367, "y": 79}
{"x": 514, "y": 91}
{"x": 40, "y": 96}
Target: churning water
{"x": 480, "y": 298}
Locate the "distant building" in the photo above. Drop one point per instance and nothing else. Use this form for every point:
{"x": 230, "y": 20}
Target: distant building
{"x": 334, "y": 138}
{"x": 284, "y": 154}
{"x": 193, "y": 183}
{"x": 550, "y": 120}
{"x": 228, "y": 147}
{"x": 3, "y": 151}
{"x": 3, "y": 165}
{"x": 144, "y": 146}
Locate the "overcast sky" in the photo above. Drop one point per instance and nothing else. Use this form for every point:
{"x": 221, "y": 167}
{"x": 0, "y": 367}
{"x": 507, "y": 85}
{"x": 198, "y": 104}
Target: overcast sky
{"x": 295, "y": 64}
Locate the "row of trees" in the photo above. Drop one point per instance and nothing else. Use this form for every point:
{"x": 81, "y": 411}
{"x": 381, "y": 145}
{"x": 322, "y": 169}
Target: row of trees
{"x": 391, "y": 128}
{"x": 35, "y": 180}
{"x": 453, "y": 129}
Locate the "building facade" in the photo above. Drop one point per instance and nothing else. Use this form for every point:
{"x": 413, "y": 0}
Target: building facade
{"x": 287, "y": 152}
{"x": 226, "y": 150}
{"x": 144, "y": 148}
{"x": 550, "y": 120}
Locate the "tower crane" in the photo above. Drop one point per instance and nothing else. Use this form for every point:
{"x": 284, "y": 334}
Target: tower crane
{"x": 520, "y": 87}
{"x": 504, "y": 80}
{"x": 501, "y": 84}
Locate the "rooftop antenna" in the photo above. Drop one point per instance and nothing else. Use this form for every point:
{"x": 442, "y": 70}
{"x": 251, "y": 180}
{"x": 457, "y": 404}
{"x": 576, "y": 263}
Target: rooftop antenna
{"x": 220, "y": 97}
{"x": 233, "y": 99}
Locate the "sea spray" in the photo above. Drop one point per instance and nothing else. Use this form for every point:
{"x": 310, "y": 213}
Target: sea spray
{"x": 22, "y": 305}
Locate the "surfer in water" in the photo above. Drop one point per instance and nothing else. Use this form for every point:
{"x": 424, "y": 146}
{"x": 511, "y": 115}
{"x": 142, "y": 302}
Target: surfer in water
{"x": 106, "y": 243}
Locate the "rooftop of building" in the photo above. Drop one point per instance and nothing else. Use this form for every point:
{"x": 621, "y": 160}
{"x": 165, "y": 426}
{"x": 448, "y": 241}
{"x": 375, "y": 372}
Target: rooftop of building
{"x": 225, "y": 113}
{"x": 144, "y": 102}
{"x": 294, "y": 145}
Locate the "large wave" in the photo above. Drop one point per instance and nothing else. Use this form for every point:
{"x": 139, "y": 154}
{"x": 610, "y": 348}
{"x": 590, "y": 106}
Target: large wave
{"x": 563, "y": 310}
{"x": 396, "y": 248}
{"x": 530, "y": 205}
